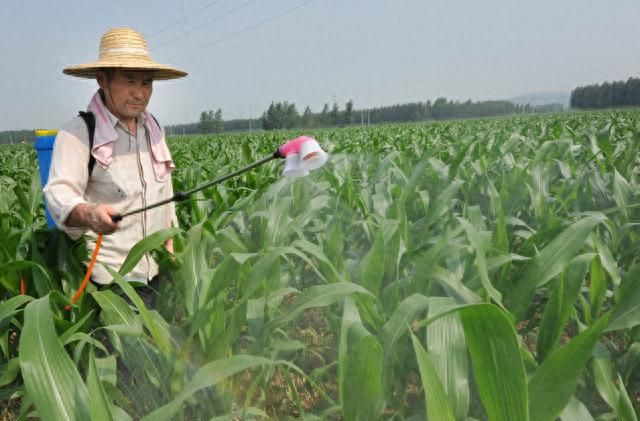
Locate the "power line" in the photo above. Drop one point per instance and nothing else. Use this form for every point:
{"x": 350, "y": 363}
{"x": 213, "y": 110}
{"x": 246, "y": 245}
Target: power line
{"x": 183, "y": 19}
{"x": 218, "y": 41}
{"x": 247, "y": 29}
{"x": 204, "y": 24}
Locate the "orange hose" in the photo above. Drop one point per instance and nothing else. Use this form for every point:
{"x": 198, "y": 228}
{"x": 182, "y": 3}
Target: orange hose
{"x": 23, "y": 286}
{"x": 85, "y": 281}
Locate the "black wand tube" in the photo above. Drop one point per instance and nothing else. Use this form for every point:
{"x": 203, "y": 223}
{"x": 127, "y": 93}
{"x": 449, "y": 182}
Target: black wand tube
{"x": 180, "y": 196}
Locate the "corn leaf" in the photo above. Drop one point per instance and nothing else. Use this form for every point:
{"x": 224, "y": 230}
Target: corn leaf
{"x": 549, "y": 262}
{"x": 437, "y": 406}
{"x": 52, "y": 380}
{"x": 144, "y": 246}
{"x": 497, "y": 364}
{"x": 553, "y": 383}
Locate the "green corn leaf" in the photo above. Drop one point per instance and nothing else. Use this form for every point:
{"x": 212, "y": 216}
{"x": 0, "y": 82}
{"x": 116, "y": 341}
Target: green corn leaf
{"x": 161, "y": 339}
{"x": 208, "y": 375}
{"x": 631, "y": 361}
{"x": 100, "y": 406}
{"x": 602, "y": 370}
{"x": 597, "y": 286}
{"x": 626, "y": 312}
{"x": 10, "y": 308}
{"x": 144, "y": 246}
{"x": 575, "y": 411}
{"x": 360, "y": 368}
{"x": 9, "y": 371}
{"x": 193, "y": 272}
{"x": 481, "y": 261}
{"x": 437, "y": 406}
{"x": 563, "y": 296}
{"x": 396, "y": 325}
{"x": 553, "y": 383}
{"x": 549, "y": 262}
{"x": 444, "y": 201}
{"x": 371, "y": 268}
{"x": 497, "y": 364}
{"x": 625, "y": 410}
{"x": 316, "y": 296}
{"x": 126, "y": 325}
{"x": 52, "y": 380}
{"x": 452, "y": 284}
{"x": 448, "y": 352}
{"x": 622, "y": 193}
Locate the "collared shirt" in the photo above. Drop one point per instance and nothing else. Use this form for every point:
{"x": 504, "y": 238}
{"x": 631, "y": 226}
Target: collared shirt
{"x": 128, "y": 183}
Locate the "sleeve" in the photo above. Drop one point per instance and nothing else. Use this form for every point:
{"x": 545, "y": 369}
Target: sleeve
{"x": 68, "y": 176}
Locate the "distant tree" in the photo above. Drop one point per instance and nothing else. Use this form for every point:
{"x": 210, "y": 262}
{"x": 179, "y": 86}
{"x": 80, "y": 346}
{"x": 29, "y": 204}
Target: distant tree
{"x": 334, "y": 116}
{"x": 307, "y": 118}
{"x": 218, "y": 126}
{"x": 280, "y": 116}
{"x": 211, "y": 122}
{"x": 206, "y": 122}
{"x": 348, "y": 112}
{"x": 607, "y": 94}
{"x": 439, "y": 108}
{"x": 17, "y": 136}
{"x": 324, "y": 115}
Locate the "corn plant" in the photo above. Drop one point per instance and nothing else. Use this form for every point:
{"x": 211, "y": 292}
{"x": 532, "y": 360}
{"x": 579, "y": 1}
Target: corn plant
{"x": 457, "y": 270}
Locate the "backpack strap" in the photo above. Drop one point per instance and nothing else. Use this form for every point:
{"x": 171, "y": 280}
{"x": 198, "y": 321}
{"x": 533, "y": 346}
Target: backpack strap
{"x": 156, "y": 120}
{"x": 90, "y": 121}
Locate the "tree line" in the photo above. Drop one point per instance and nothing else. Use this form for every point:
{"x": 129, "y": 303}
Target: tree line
{"x": 17, "y": 136}
{"x": 285, "y": 115}
{"x": 607, "y": 95}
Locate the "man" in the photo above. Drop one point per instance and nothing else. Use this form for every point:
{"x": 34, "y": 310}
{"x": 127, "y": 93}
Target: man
{"x": 132, "y": 162}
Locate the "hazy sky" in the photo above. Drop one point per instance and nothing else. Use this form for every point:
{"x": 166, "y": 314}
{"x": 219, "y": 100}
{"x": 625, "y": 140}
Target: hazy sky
{"x": 243, "y": 54}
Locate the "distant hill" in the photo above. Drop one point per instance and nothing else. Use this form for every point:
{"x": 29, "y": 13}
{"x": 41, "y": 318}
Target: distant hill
{"x": 543, "y": 98}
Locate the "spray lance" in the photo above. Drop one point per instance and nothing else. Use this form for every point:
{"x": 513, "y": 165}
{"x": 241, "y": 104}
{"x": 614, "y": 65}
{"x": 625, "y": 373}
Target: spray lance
{"x": 302, "y": 155}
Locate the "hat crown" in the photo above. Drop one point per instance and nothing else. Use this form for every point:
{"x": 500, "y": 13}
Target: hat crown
{"x": 123, "y": 42}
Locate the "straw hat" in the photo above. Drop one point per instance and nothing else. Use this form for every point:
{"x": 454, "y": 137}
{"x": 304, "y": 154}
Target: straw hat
{"x": 124, "y": 48}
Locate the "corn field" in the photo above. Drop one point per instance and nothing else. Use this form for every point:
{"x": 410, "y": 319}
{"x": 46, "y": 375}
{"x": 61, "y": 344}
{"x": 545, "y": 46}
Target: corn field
{"x": 465, "y": 270}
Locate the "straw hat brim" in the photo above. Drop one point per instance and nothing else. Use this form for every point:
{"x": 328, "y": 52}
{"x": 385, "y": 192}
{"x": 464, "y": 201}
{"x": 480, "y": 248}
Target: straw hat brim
{"x": 160, "y": 71}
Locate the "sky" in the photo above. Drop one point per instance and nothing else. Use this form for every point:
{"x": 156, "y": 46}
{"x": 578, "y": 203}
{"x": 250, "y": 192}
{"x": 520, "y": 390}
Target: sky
{"x": 243, "y": 54}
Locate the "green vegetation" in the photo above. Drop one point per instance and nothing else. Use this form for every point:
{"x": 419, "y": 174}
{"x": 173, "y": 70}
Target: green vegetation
{"x": 284, "y": 115}
{"x": 607, "y": 95}
{"x": 211, "y": 122}
{"x": 458, "y": 270}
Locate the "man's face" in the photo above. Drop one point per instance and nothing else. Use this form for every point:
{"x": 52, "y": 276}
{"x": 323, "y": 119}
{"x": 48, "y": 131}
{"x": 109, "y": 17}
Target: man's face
{"x": 127, "y": 92}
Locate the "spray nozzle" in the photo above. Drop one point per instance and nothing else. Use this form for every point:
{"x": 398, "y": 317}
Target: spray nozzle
{"x": 302, "y": 154}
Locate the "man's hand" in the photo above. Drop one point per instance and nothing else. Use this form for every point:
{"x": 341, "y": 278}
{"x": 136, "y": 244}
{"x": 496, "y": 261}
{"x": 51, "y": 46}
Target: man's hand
{"x": 95, "y": 217}
{"x": 168, "y": 245}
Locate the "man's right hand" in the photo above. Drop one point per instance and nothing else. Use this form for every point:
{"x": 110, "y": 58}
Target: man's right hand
{"x": 95, "y": 217}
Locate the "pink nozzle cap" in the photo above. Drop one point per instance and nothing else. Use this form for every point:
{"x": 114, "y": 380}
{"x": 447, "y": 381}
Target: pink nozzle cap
{"x": 293, "y": 146}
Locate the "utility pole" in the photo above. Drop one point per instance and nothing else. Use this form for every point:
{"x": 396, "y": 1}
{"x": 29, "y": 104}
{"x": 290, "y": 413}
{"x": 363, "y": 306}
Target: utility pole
{"x": 250, "y": 117}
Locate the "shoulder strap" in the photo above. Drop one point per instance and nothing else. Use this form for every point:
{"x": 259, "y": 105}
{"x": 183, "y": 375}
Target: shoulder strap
{"x": 90, "y": 121}
{"x": 156, "y": 120}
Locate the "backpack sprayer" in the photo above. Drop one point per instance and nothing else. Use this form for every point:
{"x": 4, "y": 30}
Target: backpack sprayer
{"x": 301, "y": 155}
